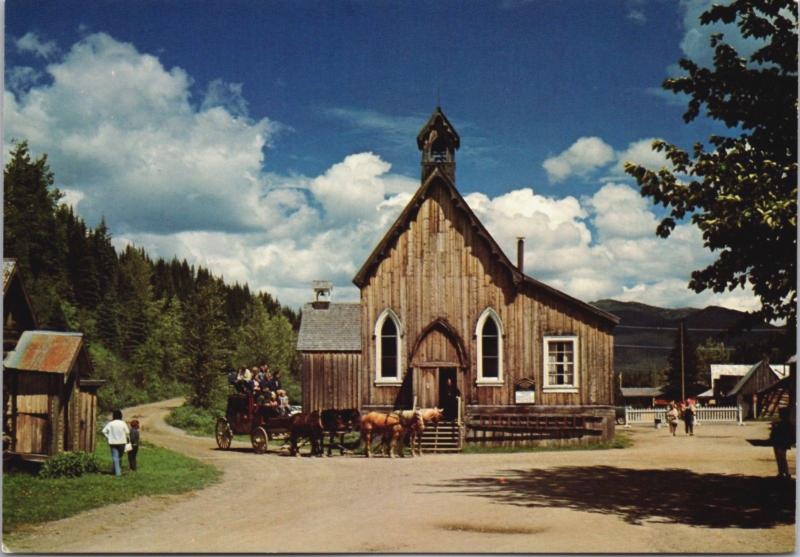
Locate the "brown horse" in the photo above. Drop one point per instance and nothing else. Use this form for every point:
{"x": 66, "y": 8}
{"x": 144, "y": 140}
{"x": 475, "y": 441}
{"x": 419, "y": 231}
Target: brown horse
{"x": 340, "y": 421}
{"x": 307, "y": 425}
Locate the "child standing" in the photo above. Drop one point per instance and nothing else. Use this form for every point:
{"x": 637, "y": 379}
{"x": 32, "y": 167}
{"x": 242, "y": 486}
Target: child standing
{"x": 134, "y": 443}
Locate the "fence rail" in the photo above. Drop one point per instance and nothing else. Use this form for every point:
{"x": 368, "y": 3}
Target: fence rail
{"x": 705, "y": 414}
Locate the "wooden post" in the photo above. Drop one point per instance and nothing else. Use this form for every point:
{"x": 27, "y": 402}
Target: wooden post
{"x": 683, "y": 387}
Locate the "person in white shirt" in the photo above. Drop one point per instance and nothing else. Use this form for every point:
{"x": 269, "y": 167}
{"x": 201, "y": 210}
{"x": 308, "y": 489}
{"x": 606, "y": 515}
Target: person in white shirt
{"x": 117, "y": 434}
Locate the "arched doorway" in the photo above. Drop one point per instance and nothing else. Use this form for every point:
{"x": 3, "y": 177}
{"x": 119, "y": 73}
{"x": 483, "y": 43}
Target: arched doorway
{"x": 438, "y": 355}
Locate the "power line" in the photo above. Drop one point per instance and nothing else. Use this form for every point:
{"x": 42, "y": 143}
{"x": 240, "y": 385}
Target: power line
{"x": 642, "y": 346}
{"x": 654, "y": 328}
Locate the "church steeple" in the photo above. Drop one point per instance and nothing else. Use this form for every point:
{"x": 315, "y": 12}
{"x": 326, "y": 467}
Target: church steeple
{"x": 438, "y": 141}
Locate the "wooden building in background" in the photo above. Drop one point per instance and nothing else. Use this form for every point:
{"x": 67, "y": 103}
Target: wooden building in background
{"x": 745, "y": 393}
{"x": 440, "y": 302}
{"x": 49, "y": 398}
{"x": 17, "y": 309}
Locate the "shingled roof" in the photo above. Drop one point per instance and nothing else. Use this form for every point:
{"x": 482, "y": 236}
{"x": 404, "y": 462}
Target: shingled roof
{"x": 517, "y": 277}
{"x": 330, "y": 328}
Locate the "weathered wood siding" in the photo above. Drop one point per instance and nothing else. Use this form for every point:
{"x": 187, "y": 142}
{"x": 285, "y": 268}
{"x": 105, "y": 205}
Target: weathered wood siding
{"x": 330, "y": 380}
{"x": 440, "y": 268}
{"x": 84, "y": 417}
{"x": 37, "y": 425}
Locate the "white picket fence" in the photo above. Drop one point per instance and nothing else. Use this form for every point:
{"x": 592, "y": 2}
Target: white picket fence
{"x": 704, "y": 414}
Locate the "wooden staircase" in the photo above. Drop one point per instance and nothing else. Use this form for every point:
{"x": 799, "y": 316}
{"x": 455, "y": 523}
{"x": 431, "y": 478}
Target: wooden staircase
{"x": 444, "y": 437}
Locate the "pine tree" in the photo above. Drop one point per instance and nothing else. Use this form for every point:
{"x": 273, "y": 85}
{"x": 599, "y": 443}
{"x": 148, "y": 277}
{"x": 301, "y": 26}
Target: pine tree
{"x": 206, "y": 341}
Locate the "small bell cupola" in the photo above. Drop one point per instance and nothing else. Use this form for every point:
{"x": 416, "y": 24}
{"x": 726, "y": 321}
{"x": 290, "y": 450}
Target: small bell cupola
{"x": 438, "y": 141}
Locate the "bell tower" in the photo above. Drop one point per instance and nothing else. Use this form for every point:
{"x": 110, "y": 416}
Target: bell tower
{"x": 438, "y": 141}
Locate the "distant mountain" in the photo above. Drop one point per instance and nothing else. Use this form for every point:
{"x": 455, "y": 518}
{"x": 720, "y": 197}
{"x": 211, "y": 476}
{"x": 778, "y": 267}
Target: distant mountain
{"x": 645, "y": 336}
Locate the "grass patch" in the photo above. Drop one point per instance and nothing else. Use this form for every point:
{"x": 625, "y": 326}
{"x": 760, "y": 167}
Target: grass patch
{"x": 195, "y": 421}
{"x": 620, "y": 441}
{"x": 489, "y": 528}
{"x": 29, "y": 499}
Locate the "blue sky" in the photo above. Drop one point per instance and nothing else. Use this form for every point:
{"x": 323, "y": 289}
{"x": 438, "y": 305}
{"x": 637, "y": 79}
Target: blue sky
{"x": 275, "y": 141}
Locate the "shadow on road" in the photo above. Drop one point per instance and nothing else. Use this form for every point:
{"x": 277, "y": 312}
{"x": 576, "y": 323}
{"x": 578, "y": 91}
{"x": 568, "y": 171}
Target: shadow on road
{"x": 669, "y": 495}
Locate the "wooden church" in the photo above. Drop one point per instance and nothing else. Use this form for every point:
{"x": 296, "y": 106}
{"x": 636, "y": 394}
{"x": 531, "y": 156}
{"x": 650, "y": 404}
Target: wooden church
{"x": 442, "y": 306}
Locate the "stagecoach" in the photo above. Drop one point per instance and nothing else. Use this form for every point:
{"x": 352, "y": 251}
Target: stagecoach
{"x": 245, "y": 416}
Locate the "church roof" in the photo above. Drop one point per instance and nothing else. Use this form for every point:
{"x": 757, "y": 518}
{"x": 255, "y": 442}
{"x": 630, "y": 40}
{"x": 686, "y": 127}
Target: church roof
{"x": 330, "y": 328}
{"x": 423, "y": 133}
{"x": 518, "y": 278}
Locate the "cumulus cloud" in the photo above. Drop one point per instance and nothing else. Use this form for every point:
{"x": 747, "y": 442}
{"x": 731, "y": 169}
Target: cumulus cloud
{"x": 187, "y": 179}
{"x": 119, "y": 127}
{"x": 225, "y": 95}
{"x": 583, "y": 156}
{"x": 31, "y": 43}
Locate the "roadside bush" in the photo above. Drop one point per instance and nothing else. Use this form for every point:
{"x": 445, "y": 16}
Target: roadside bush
{"x": 194, "y": 420}
{"x": 69, "y": 465}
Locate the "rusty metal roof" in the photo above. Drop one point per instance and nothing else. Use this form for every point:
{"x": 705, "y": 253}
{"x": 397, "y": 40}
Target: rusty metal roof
{"x": 48, "y": 351}
{"x": 9, "y": 266}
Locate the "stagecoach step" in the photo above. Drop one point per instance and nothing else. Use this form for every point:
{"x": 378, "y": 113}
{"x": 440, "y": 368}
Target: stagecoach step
{"x": 444, "y": 437}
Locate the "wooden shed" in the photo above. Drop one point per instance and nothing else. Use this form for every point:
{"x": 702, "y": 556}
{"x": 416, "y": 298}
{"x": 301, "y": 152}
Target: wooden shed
{"x": 746, "y": 392}
{"x": 442, "y": 303}
{"x": 49, "y": 408}
{"x": 329, "y": 343}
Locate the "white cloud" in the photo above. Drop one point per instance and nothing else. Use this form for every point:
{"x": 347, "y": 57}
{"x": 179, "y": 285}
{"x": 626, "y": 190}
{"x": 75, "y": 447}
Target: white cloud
{"x": 20, "y": 78}
{"x": 225, "y": 95}
{"x": 641, "y": 152}
{"x": 120, "y": 128}
{"x": 583, "y": 156}
{"x": 125, "y": 141}
{"x": 30, "y": 42}
{"x": 620, "y": 212}
{"x": 637, "y": 16}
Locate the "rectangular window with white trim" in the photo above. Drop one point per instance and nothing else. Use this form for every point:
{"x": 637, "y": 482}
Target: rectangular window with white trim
{"x": 560, "y": 363}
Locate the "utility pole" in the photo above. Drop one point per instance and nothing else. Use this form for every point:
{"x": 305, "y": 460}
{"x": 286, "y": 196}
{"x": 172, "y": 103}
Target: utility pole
{"x": 683, "y": 386}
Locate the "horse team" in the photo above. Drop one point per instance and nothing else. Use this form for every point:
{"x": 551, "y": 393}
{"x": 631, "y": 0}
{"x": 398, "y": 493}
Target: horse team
{"x": 393, "y": 429}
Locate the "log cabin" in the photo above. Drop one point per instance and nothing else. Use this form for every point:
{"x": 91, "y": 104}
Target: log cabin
{"x": 444, "y": 312}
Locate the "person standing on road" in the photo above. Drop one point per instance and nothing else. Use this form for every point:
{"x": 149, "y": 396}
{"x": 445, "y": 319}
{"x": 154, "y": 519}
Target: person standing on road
{"x": 782, "y": 436}
{"x": 134, "y": 444}
{"x": 688, "y": 417}
{"x": 116, "y": 432}
{"x": 672, "y": 418}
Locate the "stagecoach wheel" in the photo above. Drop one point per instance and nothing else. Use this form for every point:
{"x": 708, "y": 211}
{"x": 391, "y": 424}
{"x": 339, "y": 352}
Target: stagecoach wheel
{"x": 223, "y": 433}
{"x": 259, "y": 439}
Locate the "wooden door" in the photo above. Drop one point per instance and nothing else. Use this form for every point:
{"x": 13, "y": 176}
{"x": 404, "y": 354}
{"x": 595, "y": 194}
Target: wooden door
{"x": 426, "y": 386}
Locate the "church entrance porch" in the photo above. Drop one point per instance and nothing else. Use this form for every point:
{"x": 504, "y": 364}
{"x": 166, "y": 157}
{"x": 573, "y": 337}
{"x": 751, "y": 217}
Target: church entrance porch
{"x": 438, "y": 365}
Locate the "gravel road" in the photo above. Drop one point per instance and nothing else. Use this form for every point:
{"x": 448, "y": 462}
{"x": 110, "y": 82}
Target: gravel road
{"x": 713, "y": 492}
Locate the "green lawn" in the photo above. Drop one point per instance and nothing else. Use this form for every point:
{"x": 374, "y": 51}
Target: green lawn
{"x": 29, "y": 499}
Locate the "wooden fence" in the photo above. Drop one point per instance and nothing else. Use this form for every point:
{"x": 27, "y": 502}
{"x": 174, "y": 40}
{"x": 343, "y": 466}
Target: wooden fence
{"x": 517, "y": 427}
{"x": 704, "y": 414}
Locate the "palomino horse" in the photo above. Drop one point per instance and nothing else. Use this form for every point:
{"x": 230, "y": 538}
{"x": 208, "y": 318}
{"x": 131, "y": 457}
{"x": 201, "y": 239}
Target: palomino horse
{"x": 390, "y": 427}
{"x": 429, "y": 416}
{"x": 411, "y": 423}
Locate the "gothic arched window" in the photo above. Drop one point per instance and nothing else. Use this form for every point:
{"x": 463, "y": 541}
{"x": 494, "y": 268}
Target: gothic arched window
{"x": 387, "y": 348}
{"x": 489, "y": 336}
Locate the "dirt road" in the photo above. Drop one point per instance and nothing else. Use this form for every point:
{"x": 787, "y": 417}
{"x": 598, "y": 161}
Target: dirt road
{"x": 709, "y": 493}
